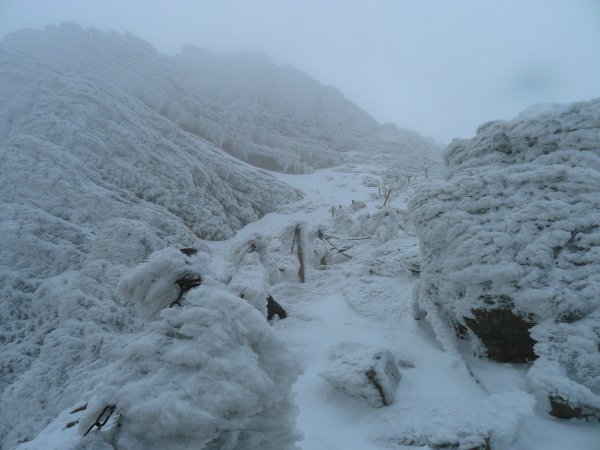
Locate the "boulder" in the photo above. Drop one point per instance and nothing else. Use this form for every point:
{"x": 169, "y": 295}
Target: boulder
{"x": 365, "y": 372}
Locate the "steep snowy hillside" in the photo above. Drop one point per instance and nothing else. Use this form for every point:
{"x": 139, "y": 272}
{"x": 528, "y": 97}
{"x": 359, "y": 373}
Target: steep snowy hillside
{"x": 92, "y": 181}
{"x": 511, "y": 249}
{"x": 271, "y": 116}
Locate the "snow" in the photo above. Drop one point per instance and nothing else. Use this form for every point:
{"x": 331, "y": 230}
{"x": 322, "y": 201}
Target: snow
{"x": 92, "y": 183}
{"x": 152, "y": 286}
{"x": 211, "y": 374}
{"x": 100, "y": 187}
{"x": 441, "y": 398}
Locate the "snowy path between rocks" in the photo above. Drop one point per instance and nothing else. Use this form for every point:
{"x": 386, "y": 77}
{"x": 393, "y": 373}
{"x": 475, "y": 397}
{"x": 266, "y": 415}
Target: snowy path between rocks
{"x": 444, "y": 399}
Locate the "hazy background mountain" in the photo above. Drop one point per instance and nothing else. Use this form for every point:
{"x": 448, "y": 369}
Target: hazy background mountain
{"x": 275, "y": 117}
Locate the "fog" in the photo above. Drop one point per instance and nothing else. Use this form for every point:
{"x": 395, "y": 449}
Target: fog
{"x": 439, "y": 67}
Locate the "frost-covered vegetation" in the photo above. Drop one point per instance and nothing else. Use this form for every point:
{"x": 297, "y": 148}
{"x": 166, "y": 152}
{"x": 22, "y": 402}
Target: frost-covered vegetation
{"x": 92, "y": 182}
{"x": 510, "y": 240}
{"x": 140, "y": 261}
{"x": 110, "y": 152}
{"x": 274, "y": 117}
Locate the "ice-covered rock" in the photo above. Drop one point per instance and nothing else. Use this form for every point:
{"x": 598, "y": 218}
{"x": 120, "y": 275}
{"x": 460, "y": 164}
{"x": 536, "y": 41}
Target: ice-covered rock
{"x": 364, "y": 371}
{"x": 510, "y": 244}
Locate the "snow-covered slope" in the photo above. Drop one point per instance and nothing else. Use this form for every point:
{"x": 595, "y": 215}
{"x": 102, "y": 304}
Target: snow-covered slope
{"x": 510, "y": 240}
{"x": 274, "y": 117}
{"x": 92, "y": 181}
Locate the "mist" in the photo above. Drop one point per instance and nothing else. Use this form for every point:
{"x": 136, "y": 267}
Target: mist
{"x": 441, "y": 68}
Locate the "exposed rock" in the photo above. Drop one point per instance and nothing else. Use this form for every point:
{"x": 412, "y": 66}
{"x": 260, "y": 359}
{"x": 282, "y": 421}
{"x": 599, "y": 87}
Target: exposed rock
{"x": 189, "y": 251}
{"x": 274, "y": 309}
{"x": 560, "y": 408}
{"x": 363, "y": 371}
{"x": 505, "y": 335}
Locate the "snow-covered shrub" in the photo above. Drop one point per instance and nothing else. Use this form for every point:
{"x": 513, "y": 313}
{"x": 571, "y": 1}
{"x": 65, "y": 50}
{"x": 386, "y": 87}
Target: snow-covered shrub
{"x": 251, "y": 282}
{"x": 209, "y": 375}
{"x": 515, "y": 227}
{"x": 152, "y": 286}
{"x": 380, "y": 226}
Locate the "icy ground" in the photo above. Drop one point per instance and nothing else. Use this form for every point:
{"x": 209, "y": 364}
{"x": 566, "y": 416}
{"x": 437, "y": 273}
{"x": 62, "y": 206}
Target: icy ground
{"x": 444, "y": 398}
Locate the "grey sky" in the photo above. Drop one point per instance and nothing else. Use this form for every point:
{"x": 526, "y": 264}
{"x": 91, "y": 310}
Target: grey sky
{"x": 441, "y": 67}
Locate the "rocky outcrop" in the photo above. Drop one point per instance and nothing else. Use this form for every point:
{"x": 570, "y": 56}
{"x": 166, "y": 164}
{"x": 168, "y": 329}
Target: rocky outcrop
{"x": 510, "y": 248}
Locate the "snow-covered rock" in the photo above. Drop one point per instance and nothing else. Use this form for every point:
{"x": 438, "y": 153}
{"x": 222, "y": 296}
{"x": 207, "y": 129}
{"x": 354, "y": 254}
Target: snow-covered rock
{"x": 513, "y": 229}
{"x": 365, "y": 372}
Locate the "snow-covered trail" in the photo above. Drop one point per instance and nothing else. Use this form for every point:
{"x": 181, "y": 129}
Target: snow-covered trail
{"x": 440, "y": 400}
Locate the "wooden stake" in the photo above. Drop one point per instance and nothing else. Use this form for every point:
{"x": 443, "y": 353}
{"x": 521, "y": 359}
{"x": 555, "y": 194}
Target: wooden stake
{"x": 300, "y": 253}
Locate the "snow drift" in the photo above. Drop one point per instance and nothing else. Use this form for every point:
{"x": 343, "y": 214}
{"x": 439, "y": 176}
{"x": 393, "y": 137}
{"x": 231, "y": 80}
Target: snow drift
{"x": 511, "y": 239}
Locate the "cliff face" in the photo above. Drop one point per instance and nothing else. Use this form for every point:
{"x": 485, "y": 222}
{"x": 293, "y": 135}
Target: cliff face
{"x": 511, "y": 245}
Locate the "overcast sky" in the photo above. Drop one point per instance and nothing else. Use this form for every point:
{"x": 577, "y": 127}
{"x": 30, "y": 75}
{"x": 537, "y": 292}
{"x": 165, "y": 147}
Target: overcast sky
{"x": 441, "y": 67}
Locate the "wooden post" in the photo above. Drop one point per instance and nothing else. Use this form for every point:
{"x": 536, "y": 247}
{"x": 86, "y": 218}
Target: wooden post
{"x": 387, "y": 196}
{"x": 300, "y": 253}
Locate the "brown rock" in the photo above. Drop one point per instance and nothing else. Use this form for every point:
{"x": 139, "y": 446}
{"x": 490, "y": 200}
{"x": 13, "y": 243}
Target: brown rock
{"x": 505, "y": 335}
{"x": 560, "y": 408}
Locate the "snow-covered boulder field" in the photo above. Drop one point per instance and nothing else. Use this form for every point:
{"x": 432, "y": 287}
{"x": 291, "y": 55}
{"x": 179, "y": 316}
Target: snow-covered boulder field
{"x": 510, "y": 246}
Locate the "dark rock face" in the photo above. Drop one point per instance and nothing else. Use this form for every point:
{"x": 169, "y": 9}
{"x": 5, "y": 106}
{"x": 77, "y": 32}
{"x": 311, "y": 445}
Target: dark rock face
{"x": 505, "y": 335}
